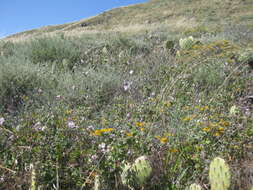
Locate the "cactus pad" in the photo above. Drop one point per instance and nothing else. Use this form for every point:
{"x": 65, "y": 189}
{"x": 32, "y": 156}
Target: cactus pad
{"x": 142, "y": 169}
{"x": 219, "y": 174}
{"x": 194, "y": 186}
{"x": 137, "y": 173}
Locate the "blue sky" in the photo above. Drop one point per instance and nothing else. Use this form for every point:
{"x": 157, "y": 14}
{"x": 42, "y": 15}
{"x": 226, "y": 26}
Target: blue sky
{"x": 20, "y": 15}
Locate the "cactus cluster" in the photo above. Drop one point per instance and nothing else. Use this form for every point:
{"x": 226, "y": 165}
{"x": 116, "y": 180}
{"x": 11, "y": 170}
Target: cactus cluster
{"x": 136, "y": 175}
{"x": 187, "y": 43}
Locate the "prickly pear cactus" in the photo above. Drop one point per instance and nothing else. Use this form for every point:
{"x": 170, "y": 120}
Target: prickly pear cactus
{"x": 136, "y": 175}
{"x": 219, "y": 174}
{"x": 186, "y": 43}
{"x": 33, "y": 178}
{"x": 142, "y": 169}
{"x": 97, "y": 183}
{"x": 169, "y": 44}
{"x": 195, "y": 186}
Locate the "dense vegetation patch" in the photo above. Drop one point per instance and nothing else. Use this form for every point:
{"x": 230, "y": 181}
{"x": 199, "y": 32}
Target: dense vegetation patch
{"x": 76, "y": 113}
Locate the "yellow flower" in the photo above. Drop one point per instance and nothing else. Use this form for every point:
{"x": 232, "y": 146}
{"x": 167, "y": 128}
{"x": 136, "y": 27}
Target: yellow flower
{"x": 142, "y": 129}
{"x": 204, "y": 108}
{"x": 173, "y": 150}
{"x": 206, "y": 129}
{"x": 106, "y": 130}
{"x": 189, "y": 118}
{"x": 129, "y": 134}
{"x": 140, "y": 124}
{"x": 217, "y": 134}
{"x": 224, "y": 123}
{"x": 221, "y": 129}
{"x": 163, "y": 140}
{"x": 97, "y": 133}
{"x": 158, "y": 137}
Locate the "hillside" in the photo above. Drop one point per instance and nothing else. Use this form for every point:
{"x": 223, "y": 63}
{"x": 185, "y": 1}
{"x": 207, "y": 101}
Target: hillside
{"x": 167, "y": 83}
{"x": 156, "y": 14}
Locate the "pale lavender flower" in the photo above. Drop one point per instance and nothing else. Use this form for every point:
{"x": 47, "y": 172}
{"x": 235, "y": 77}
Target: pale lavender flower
{"x": 72, "y": 125}
{"x": 94, "y": 157}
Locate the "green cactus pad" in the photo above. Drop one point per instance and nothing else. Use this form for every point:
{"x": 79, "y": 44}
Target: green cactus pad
{"x": 219, "y": 174}
{"x": 195, "y": 186}
{"x": 136, "y": 175}
{"x": 97, "y": 183}
{"x": 33, "y": 177}
{"x": 142, "y": 169}
{"x": 169, "y": 44}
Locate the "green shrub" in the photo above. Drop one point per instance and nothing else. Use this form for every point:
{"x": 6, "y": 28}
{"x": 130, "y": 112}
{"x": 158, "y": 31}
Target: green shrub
{"x": 50, "y": 49}
{"x": 21, "y": 82}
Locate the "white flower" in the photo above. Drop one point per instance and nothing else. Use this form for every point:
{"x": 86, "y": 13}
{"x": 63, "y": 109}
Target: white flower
{"x": 153, "y": 94}
{"x": 71, "y": 125}
{"x": 2, "y": 120}
{"x": 58, "y": 97}
{"x": 102, "y": 146}
{"x": 131, "y": 72}
{"x": 127, "y": 86}
{"x": 90, "y": 127}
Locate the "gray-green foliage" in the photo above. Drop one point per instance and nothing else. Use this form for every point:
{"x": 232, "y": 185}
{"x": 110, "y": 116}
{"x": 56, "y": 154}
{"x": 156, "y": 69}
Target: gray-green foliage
{"x": 50, "y": 49}
{"x": 247, "y": 58}
{"x": 20, "y": 80}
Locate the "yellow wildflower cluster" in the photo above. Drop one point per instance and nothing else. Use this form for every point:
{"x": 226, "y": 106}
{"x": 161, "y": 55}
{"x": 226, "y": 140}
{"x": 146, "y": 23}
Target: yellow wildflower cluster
{"x": 99, "y": 132}
{"x": 220, "y": 48}
{"x": 216, "y": 128}
{"x": 141, "y": 125}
